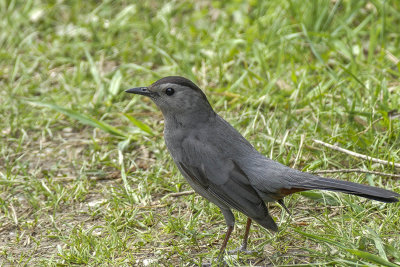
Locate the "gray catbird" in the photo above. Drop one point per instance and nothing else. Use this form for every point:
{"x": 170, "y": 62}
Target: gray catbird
{"x": 222, "y": 166}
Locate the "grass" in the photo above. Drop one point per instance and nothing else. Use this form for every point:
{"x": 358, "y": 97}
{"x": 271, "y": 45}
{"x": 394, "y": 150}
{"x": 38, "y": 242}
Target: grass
{"x": 84, "y": 170}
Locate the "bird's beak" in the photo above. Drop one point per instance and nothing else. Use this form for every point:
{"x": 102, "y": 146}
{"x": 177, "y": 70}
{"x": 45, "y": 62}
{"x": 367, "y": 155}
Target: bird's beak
{"x": 140, "y": 91}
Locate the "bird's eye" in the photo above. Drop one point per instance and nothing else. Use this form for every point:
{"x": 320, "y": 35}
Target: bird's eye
{"x": 169, "y": 91}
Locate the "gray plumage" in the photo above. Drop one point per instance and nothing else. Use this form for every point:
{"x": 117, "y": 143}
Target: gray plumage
{"x": 222, "y": 166}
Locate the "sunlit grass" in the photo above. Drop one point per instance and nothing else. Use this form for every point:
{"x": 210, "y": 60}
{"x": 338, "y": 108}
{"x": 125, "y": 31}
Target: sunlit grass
{"x": 84, "y": 168}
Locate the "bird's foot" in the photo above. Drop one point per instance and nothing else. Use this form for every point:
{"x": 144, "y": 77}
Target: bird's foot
{"x": 241, "y": 249}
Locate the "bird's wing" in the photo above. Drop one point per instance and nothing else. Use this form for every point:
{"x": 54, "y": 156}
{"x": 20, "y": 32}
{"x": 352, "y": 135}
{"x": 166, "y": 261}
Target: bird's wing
{"x": 223, "y": 179}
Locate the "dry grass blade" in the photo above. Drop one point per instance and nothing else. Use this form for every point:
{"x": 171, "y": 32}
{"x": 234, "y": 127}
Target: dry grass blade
{"x": 357, "y": 155}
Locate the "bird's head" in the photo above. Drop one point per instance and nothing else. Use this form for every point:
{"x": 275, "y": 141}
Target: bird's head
{"x": 175, "y": 96}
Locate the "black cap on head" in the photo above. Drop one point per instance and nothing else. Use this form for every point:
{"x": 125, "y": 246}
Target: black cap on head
{"x": 177, "y": 80}
{"x": 180, "y": 81}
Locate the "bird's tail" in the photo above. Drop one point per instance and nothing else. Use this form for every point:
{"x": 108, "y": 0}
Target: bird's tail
{"x": 316, "y": 182}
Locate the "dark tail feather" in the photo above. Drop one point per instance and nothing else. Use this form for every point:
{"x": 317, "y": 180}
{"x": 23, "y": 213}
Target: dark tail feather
{"x": 375, "y": 193}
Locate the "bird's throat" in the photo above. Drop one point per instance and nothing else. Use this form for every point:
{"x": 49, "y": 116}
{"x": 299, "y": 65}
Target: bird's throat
{"x": 178, "y": 120}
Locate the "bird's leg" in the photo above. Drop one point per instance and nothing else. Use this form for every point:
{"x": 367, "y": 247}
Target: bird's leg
{"x": 243, "y": 247}
{"x": 280, "y": 201}
{"x": 223, "y": 247}
{"x": 246, "y": 235}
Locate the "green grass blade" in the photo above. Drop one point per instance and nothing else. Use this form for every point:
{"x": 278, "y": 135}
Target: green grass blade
{"x": 320, "y": 238}
{"x": 371, "y": 257}
{"x": 307, "y": 265}
{"x": 321, "y": 197}
{"x": 142, "y": 126}
{"x": 353, "y": 76}
{"x": 84, "y": 119}
{"x": 115, "y": 83}
{"x": 361, "y": 254}
{"x": 378, "y": 243}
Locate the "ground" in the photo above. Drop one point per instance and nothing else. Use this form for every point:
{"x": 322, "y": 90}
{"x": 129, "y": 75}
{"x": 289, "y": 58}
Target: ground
{"x": 85, "y": 177}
